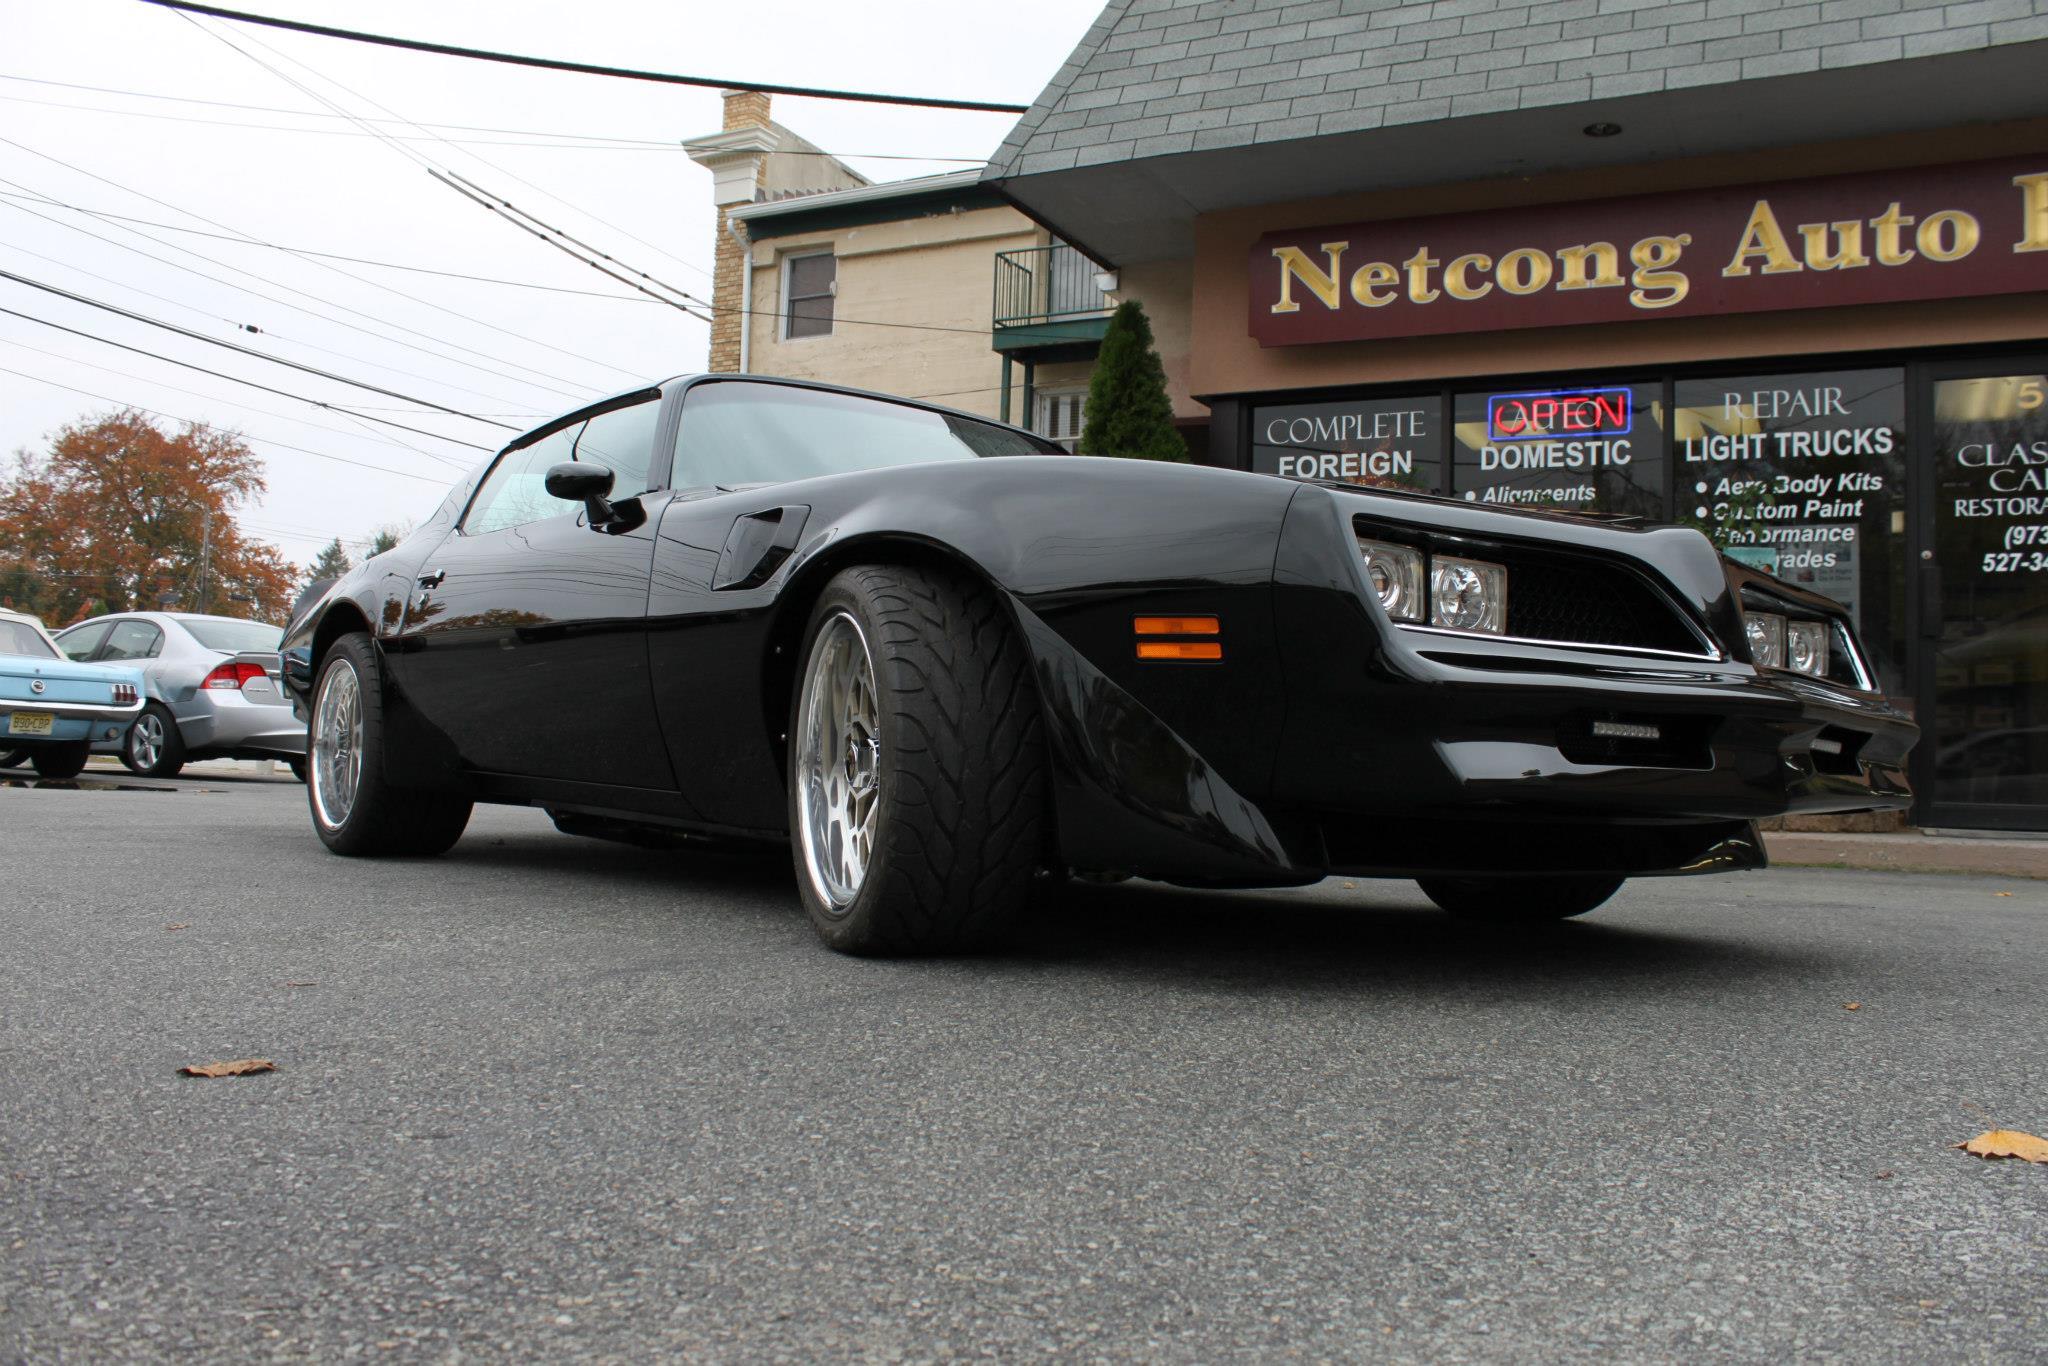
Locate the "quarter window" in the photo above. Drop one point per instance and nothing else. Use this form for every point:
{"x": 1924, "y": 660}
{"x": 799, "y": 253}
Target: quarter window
{"x": 809, "y": 284}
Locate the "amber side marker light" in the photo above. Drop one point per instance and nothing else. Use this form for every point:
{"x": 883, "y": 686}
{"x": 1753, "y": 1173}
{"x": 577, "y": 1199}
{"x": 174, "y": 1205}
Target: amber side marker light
{"x": 1178, "y": 626}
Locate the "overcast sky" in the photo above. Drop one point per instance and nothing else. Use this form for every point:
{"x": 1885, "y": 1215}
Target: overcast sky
{"x": 314, "y": 180}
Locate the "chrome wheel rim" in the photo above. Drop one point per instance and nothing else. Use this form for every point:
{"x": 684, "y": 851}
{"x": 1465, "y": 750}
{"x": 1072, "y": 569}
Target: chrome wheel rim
{"x": 838, "y": 763}
{"x": 146, "y": 742}
{"x": 337, "y": 744}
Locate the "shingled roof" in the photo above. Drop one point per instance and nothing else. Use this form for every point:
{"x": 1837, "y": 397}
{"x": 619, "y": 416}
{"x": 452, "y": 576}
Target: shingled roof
{"x": 1166, "y": 78}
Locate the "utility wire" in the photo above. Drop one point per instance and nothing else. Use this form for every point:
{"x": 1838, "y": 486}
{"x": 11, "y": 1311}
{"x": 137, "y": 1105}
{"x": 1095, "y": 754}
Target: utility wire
{"x": 378, "y": 437}
{"x": 308, "y": 251}
{"x": 173, "y": 417}
{"x": 586, "y": 68}
{"x": 234, "y": 379}
{"x": 400, "y": 147}
{"x": 541, "y": 375}
{"x": 567, "y": 141}
{"x": 119, "y": 311}
{"x": 236, "y": 324}
{"x": 337, "y": 270}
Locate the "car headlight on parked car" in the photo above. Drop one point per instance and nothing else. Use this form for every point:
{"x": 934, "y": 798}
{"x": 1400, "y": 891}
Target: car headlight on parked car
{"x": 1395, "y": 573}
{"x": 1806, "y": 647}
{"x": 1468, "y": 595}
{"x": 1766, "y": 632}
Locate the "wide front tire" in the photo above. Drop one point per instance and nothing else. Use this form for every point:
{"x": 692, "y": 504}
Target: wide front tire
{"x": 917, "y": 807}
{"x": 60, "y": 761}
{"x": 355, "y": 811}
{"x": 153, "y": 747}
{"x": 1518, "y": 900}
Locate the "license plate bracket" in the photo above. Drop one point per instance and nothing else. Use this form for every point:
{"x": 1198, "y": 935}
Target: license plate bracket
{"x": 31, "y": 723}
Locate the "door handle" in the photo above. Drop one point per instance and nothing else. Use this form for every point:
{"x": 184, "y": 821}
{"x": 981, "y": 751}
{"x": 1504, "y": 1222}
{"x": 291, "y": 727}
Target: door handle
{"x": 432, "y": 578}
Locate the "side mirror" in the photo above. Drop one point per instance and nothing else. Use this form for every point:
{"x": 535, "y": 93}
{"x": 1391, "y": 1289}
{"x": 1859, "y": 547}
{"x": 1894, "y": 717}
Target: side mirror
{"x": 585, "y": 483}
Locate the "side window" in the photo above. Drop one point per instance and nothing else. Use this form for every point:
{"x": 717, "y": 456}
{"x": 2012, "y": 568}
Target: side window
{"x": 81, "y": 641}
{"x": 808, "y": 286}
{"x": 515, "y": 493}
{"x": 623, "y": 442}
{"x": 133, "y": 640}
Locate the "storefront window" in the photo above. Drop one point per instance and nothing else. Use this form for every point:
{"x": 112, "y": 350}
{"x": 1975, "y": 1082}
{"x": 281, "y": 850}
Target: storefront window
{"x": 1990, "y": 727}
{"x": 1803, "y": 476}
{"x": 1378, "y": 443}
{"x": 1596, "y": 448}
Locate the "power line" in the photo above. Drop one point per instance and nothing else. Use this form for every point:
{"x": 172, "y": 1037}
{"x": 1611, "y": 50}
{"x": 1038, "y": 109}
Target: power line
{"x": 234, "y": 323}
{"x": 173, "y": 417}
{"x": 308, "y": 251}
{"x": 587, "y": 68}
{"x": 566, "y": 141}
{"x": 539, "y": 383}
{"x": 119, "y": 311}
{"x": 345, "y": 274}
{"x": 234, "y": 379}
{"x": 400, "y": 147}
{"x": 379, "y": 438}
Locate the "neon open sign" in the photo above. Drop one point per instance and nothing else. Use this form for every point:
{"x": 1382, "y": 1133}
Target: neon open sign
{"x": 1558, "y": 414}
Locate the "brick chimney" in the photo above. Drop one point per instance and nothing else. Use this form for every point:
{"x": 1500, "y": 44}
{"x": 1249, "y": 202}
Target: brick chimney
{"x": 735, "y": 157}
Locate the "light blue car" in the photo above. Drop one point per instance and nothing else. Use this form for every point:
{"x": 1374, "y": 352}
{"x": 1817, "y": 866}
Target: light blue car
{"x": 53, "y": 709}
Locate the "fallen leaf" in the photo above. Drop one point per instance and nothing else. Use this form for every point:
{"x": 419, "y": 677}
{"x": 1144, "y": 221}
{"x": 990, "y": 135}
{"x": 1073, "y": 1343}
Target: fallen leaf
{"x": 1885, "y": 1175}
{"x": 240, "y": 1067}
{"x": 2008, "y": 1143}
{"x": 180, "y": 925}
{"x": 1852, "y": 1005}
{"x": 2001, "y": 894}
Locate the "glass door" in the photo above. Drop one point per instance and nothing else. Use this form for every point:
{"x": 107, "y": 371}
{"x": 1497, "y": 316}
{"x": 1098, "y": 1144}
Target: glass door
{"x": 1982, "y": 567}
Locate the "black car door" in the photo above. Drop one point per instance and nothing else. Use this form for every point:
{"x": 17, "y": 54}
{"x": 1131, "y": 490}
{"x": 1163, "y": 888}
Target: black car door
{"x": 525, "y": 639}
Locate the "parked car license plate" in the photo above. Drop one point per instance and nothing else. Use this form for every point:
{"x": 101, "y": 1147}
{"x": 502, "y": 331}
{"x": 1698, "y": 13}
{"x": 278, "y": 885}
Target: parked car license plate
{"x": 31, "y": 723}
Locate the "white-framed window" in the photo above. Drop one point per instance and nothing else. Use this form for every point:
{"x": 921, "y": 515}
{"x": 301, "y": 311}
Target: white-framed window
{"x": 810, "y": 284}
{"x": 1060, "y": 415}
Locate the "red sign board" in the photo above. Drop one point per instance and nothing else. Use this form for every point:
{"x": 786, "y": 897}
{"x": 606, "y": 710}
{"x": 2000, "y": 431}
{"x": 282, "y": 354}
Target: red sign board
{"x": 1923, "y": 233}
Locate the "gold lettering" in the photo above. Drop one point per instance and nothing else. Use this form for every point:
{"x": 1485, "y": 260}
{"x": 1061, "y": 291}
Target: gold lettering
{"x": 1296, "y": 265}
{"x": 1419, "y": 265}
{"x": 1523, "y": 271}
{"x": 1573, "y": 259}
{"x": 2033, "y": 212}
{"x": 1455, "y": 283}
{"x": 1653, "y": 258}
{"x": 1761, "y": 236}
{"x": 1848, "y": 252}
{"x": 1888, "y": 225}
{"x": 1963, "y": 235}
{"x": 1368, "y": 282}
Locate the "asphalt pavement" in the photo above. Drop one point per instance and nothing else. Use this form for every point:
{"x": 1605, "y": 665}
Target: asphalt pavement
{"x": 545, "y": 1098}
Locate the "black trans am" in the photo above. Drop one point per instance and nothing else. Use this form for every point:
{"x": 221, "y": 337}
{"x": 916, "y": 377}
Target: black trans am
{"x": 948, "y": 663}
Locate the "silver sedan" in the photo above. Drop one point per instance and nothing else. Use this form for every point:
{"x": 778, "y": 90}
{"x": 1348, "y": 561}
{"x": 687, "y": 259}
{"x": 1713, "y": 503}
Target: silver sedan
{"x": 213, "y": 689}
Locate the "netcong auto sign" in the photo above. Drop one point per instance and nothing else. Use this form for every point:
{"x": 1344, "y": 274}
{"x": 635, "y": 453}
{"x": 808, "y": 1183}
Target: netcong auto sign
{"x": 1891, "y": 236}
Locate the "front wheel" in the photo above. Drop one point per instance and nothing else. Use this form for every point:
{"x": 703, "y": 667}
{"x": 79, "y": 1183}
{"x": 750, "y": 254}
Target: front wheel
{"x": 1518, "y": 900}
{"x": 916, "y": 764}
{"x": 153, "y": 747}
{"x": 355, "y": 811}
{"x": 60, "y": 761}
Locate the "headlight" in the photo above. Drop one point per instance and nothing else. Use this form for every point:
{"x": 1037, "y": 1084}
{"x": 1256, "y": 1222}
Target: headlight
{"x": 1468, "y": 595}
{"x": 1806, "y": 647}
{"x": 1766, "y": 639}
{"x": 1395, "y": 573}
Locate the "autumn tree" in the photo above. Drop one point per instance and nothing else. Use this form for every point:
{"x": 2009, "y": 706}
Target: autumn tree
{"x": 120, "y": 515}
{"x": 1129, "y": 413}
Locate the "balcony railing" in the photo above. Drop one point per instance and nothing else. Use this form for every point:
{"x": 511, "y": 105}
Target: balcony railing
{"x": 1039, "y": 285}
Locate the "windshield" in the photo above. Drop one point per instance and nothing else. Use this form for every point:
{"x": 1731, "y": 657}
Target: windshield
{"x": 735, "y": 433}
{"x": 19, "y": 638}
{"x": 234, "y": 636}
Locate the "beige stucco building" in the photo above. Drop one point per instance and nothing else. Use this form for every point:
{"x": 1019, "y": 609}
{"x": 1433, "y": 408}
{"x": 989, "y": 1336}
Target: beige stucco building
{"x": 933, "y": 288}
